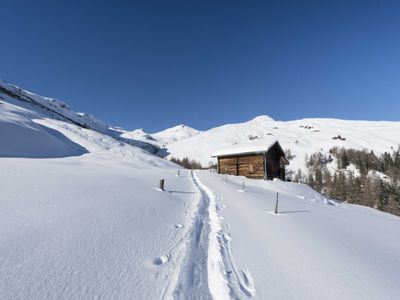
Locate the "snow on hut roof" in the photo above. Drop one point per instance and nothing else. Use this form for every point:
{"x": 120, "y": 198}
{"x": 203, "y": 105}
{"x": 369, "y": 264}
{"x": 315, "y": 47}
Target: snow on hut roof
{"x": 259, "y": 147}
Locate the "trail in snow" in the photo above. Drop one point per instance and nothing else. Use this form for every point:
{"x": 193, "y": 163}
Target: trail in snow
{"x": 202, "y": 274}
{"x": 208, "y": 270}
{"x": 217, "y": 282}
{"x": 193, "y": 278}
{"x": 239, "y": 282}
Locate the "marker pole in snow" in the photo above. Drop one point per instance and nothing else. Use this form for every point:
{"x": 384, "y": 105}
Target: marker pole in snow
{"x": 161, "y": 184}
{"x": 276, "y": 204}
{"x": 179, "y": 173}
{"x": 226, "y": 177}
{"x": 243, "y": 186}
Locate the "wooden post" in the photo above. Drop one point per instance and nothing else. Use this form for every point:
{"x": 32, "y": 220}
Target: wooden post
{"x": 161, "y": 184}
{"x": 276, "y": 204}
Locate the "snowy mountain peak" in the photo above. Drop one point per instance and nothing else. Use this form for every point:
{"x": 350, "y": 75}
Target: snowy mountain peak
{"x": 139, "y": 131}
{"x": 162, "y": 138}
{"x": 175, "y": 134}
{"x": 182, "y": 126}
{"x": 262, "y": 119}
{"x": 179, "y": 128}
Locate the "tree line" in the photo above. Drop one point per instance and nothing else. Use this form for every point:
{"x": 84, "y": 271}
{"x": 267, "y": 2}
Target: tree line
{"x": 187, "y": 163}
{"x": 356, "y": 176}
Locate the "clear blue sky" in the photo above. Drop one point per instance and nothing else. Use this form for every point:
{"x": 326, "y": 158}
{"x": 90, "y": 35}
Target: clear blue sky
{"x": 155, "y": 64}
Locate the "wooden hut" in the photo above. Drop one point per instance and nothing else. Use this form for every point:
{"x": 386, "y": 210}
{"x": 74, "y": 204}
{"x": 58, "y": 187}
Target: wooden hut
{"x": 266, "y": 160}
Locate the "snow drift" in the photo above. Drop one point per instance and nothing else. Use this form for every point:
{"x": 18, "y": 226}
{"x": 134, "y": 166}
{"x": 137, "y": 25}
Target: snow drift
{"x": 21, "y": 136}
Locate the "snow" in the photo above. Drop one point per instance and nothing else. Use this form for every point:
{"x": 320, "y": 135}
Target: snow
{"x": 217, "y": 282}
{"x": 312, "y": 249}
{"x": 174, "y": 134}
{"x": 88, "y": 227}
{"x": 86, "y": 220}
{"x": 21, "y": 136}
{"x": 139, "y": 134}
{"x": 89, "y": 224}
{"x": 45, "y": 107}
{"x": 379, "y": 136}
{"x": 163, "y": 138}
{"x": 246, "y": 148}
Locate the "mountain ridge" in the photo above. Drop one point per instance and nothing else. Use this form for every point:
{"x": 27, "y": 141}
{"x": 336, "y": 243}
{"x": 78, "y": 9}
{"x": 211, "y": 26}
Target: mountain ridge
{"x": 302, "y": 137}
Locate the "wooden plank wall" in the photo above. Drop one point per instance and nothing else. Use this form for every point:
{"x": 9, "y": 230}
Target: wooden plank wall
{"x": 228, "y": 165}
{"x": 250, "y": 165}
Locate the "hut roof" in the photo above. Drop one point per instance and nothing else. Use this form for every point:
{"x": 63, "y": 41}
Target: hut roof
{"x": 259, "y": 147}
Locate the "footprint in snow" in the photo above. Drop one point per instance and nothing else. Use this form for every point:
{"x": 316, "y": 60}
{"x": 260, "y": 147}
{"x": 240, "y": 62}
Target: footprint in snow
{"x": 227, "y": 238}
{"x": 161, "y": 260}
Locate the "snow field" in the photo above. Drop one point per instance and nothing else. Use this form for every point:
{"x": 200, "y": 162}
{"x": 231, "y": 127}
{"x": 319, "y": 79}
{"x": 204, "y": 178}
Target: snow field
{"x": 312, "y": 249}
{"x": 89, "y": 227}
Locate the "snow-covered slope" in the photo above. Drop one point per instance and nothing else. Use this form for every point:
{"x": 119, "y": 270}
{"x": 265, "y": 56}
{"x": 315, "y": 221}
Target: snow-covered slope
{"x": 174, "y": 134}
{"x": 45, "y": 107}
{"x": 22, "y": 137}
{"x": 312, "y": 249}
{"x": 302, "y": 137}
{"x": 163, "y": 138}
{"x": 86, "y": 220}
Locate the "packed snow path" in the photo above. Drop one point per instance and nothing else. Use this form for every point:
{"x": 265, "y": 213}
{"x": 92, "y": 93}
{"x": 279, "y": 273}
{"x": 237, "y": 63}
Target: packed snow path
{"x": 208, "y": 269}
{"x": 202, "y": 275}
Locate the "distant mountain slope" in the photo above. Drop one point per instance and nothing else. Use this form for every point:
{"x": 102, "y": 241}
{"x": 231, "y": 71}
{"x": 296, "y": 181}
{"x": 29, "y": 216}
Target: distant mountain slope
{"x": 163, "y": 138}
{"x": 40, "y": 107}
{"x": 175, "y": 134}
{"x": 303, "y": 137}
